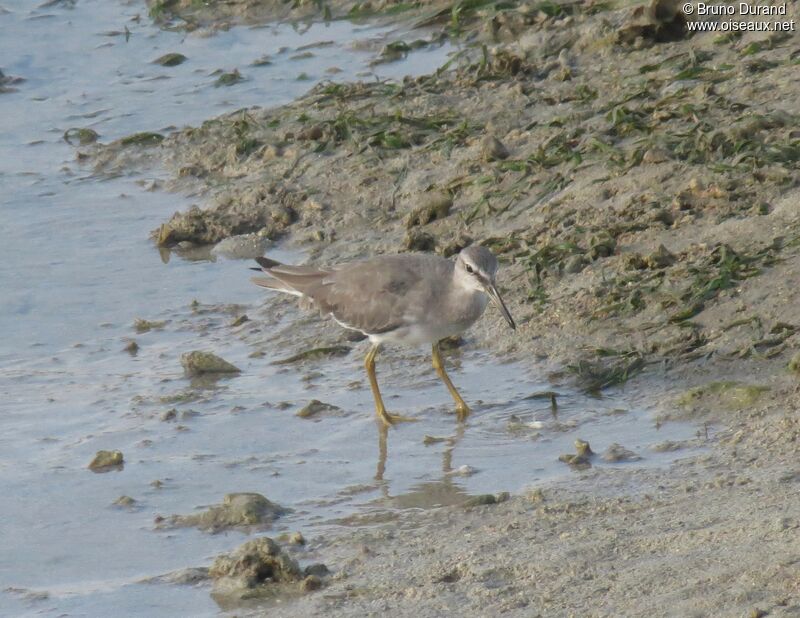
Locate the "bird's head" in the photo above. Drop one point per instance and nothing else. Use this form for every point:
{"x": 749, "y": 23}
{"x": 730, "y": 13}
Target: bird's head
{"x": 476, "y": 268}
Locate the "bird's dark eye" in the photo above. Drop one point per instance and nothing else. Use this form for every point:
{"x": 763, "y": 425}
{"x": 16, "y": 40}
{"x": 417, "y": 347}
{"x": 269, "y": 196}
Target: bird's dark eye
{"x": 469, "y": 269}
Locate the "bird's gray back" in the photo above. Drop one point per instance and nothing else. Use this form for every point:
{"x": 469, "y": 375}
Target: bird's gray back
{"x": 383, "y": 293}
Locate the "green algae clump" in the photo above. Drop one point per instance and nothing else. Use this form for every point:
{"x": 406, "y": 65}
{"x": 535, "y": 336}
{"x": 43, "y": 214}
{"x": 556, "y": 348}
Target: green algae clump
{"x": 170, "y": 60}
{"x": 106, "y": 460}
{"x": 730, "y": 394}
{"x": 794, "y": 364}
{"x": 198, "y": 363}
{"x": 145, "y": 138}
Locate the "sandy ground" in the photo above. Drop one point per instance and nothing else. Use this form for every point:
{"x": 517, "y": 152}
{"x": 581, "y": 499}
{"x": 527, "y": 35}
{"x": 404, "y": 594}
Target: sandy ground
{"x": 716, "y": 536}
{"x": 643, "y": 198}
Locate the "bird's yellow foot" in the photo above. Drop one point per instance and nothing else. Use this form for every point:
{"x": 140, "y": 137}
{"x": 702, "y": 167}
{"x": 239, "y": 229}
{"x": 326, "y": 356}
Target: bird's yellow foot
{"x": 462, "y": 411}
{"x": 390, "y": 419}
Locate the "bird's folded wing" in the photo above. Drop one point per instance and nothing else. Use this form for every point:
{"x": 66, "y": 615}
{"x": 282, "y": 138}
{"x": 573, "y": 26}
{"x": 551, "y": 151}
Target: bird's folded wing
{"x": 373, "y": 297}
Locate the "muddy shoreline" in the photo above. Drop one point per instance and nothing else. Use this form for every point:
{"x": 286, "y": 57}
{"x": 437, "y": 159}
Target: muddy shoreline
{"x": 642, "y": 196}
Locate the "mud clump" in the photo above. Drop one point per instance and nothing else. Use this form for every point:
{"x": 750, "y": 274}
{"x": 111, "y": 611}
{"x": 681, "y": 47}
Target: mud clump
{"x": 601, "y": 245}
{"x": 667, "y": 446}
{"x": 145, "y": 138}
{"x": 311, "y": 583}
{"x": 574, "y": 264}
{"x": 259, "y": 569}
{"x": 616, "y": 453}
{"x": 660, "y": 258}
{"x": 594, "y": 375}
{"x": 232, "y": 218}
{"x": 492, "y": 149}
{"x": 229, "y": 79}
{"x": 140, "y": 325}
{"x": 202, "y": 363}
{"x": 315, "y": 354}
{"x": 105, "y": 461}
{"x": 242, "y": 319}
{"x": 125, "y": 502}
{"x": 238, "y": 510}
{"x": 417, "y": 240}
{"x": 170, "y": 60}
{"x": 486, "y": 499}
{"x": 581, "y": 459}
{"x": 317, "y": 569}
{"x": 294, "y": 538}
{"x": 315, "y": 407}
{"x": 434, "y": 206}
{"x": 6, "y": 80}
{"x": 245, "y": 246}
{"x": 314, "y": 133}
{"x": 182, "y": 577}
{"x": 660, "y": 22}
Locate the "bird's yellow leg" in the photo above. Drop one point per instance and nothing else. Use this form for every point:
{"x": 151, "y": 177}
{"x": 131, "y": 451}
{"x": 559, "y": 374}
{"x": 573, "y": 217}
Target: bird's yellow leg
{"x": 462, "y": 409}
{"x": 380, "y": 409}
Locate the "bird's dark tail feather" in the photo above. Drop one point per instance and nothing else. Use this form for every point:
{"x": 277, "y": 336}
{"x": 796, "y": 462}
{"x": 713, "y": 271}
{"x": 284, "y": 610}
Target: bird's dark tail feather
{"x": 265, "y": 263}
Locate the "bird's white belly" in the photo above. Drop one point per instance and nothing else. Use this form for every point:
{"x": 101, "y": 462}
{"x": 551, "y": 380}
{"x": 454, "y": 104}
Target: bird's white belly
{"x": 410, "y": 335}
{"x": 404, "y": 335}
{"x": 416, "y": 334}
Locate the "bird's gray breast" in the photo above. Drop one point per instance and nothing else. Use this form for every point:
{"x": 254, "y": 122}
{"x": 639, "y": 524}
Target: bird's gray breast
{"x": 457, "y": 313}
{"x": 472, "y": 308}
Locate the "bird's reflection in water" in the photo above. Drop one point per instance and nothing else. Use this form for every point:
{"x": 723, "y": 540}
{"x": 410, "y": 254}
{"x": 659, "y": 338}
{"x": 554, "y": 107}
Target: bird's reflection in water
{"x": 428, "y": 494}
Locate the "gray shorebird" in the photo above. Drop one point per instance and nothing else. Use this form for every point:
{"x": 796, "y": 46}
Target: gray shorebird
{"x": 409, "y": 299}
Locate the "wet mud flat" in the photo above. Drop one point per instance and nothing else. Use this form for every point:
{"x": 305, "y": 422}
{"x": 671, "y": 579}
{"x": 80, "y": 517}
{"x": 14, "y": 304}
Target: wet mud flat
{"x": 637, "y": 192}
{"x": 640, "y": 188}
{"x": 224, "y": 481}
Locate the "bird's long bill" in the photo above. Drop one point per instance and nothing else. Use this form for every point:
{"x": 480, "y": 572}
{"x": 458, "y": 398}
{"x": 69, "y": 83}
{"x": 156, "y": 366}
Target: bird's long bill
{"x": 491, "y": 290}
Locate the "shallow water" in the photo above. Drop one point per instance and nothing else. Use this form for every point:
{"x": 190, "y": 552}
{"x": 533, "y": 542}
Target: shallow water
{"x": 77, "y": 268}
{"x": 66, "y": 234}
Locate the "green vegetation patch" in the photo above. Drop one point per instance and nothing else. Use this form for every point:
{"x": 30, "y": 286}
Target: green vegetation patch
{"x": 735, "y": 395}
{"x": 145, "y": 138}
